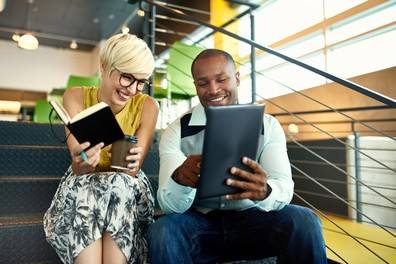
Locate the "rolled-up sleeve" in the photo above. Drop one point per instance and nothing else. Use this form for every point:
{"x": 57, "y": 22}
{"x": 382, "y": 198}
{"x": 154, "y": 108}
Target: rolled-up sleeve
{"x": 172, "y": 197}
{"x": 275, "y": 162}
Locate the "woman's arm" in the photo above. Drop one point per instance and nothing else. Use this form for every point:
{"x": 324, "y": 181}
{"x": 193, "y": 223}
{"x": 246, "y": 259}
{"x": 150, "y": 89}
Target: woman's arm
{"x": 74, "y": 103}
{"x": 144, "y": 134}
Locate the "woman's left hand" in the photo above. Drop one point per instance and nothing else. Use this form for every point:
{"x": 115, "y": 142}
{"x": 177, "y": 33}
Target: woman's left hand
{"x": 134, "y": 156}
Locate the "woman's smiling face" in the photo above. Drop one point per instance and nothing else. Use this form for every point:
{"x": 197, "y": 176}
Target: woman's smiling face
{"x": 113, "y": 92}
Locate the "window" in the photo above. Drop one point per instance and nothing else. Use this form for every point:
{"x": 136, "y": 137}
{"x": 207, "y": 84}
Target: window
{"x": 347, "y": 47}
{"x": 334, "y": 7}
{"x": 364, "y": 56}
{"x": 285, "y": 17}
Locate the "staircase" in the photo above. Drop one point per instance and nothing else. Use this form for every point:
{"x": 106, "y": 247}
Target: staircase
{"x": 32, "y": 164}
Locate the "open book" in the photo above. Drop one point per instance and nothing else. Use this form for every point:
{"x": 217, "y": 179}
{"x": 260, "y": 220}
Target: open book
{"x": 95, "y": 124}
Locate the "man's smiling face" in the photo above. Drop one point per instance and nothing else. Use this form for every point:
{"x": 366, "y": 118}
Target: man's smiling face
{"x": 216, "y": 81}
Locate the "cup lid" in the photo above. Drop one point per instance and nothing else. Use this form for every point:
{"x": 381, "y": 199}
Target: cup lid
{"x": 131, "y": 138}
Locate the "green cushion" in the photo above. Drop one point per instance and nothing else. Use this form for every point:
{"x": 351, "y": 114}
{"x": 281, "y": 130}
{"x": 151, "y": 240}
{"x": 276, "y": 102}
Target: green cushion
{"x": 180, "y": 84}
{"x": 75, "y": 81}
{"x": 41, "y": 112}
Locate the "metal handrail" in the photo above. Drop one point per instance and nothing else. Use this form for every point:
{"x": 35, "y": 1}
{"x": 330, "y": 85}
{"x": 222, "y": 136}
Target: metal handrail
{"x": 335, "y": 138}
{"x": 369, "y": 187}
{"x": 350, "y": 109}
{"x": 310, "y": 123}
{"x": 330, "y": 109}
{"x": 356, "y": 87}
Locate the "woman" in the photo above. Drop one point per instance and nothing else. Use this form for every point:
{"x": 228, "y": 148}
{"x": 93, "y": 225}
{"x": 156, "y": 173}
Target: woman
{"x": 98, "y": 215}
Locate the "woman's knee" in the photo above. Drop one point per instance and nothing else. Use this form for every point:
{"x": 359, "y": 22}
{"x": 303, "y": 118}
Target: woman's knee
{"x": 123, "y": 183}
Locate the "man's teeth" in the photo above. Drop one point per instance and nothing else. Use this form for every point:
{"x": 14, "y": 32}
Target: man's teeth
{"x": 218, "y": 99}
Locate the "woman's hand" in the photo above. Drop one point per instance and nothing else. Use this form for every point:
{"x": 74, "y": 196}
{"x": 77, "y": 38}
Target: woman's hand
{"x": 134, "y": 157}
{"x": 87, "y": 164}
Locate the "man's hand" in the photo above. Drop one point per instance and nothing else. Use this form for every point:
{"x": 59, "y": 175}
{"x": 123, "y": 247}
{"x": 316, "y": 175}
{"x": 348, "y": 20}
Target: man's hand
{"x": 188, "y": 173}
{"x": 253, "y": 184}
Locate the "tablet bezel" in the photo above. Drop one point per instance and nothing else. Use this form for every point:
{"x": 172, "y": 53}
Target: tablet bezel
{"x": 231, "y": 132}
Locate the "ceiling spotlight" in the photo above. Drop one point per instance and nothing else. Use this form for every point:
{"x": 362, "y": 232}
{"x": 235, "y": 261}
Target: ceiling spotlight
{"x": 140, "y": 12}
{"x": 2, "y": 5}
{"x": 73, "y": 44}
{"x": 28, "y": 42}
{"x": 16, "y": 37}
{"x": 124, "y": 29}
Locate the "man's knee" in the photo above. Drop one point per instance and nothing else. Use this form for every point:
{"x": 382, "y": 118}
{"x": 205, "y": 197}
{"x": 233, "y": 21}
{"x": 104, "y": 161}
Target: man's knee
{"x": 304, "y": 221}
{"x": 165, "y": 228}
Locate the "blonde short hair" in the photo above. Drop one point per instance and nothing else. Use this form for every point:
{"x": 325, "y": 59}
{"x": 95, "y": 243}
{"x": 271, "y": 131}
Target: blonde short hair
{"x": 127, "y": 53}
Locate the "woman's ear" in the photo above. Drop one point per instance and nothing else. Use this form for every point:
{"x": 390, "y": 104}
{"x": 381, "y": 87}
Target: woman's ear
{"x": 102, "y": 68}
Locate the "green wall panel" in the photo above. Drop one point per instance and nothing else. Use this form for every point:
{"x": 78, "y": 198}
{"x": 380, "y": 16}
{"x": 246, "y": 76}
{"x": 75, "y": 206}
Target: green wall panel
{"x": 179, "y": 77}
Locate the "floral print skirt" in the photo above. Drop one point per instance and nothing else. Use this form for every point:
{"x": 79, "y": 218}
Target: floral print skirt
{"x": 86, "y": 206}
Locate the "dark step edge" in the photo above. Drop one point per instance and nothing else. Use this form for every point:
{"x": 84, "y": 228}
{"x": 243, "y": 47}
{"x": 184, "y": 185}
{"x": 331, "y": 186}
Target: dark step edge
{"x": 6, "y": 179}
{"x": 37, "y": 219}
{"x": 20, "y": 220}
{"x": 32, "y": 146}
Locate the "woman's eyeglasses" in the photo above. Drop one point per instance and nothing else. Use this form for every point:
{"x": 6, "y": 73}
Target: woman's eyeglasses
{"x": 127, "y": 79}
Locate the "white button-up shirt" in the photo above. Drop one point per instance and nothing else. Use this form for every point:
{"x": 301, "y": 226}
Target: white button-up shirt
{"x": 176, "y": 198}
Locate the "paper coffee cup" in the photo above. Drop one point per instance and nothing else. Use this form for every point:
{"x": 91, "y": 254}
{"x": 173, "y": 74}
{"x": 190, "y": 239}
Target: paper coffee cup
{"x": 119, "y": 151}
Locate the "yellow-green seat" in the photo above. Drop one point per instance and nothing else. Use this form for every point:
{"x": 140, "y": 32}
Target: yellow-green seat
{"x": 41, "y": 112}
{"x": 75, "y": 80}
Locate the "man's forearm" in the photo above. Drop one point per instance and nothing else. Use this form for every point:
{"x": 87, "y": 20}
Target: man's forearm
{"x": 174, "y": 197}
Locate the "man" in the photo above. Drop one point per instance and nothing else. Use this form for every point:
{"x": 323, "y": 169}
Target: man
{"x": 256, "y": 223}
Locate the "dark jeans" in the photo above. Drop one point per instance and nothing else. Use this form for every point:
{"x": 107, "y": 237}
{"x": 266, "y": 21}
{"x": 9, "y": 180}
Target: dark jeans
{"x": 293, "y": 234}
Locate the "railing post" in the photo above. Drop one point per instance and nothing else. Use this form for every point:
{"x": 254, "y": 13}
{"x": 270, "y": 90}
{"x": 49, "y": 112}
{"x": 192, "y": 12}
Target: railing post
{"x": 152, "y": 44}
{"x": 357, "y": 175}
{"x": 252, "y": 56}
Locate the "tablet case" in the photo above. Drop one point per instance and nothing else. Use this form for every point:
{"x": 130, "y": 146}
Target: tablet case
{"x": 231, "y": 133}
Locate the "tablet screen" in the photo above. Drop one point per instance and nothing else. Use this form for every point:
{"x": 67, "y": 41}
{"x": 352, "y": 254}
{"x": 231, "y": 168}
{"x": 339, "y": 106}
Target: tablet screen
{"x": 231, "y": 133}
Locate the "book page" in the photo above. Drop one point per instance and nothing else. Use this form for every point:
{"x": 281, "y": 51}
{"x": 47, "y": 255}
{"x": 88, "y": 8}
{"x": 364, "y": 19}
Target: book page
{"x": 61, "y": 111}
{"x": 88, "y": 111}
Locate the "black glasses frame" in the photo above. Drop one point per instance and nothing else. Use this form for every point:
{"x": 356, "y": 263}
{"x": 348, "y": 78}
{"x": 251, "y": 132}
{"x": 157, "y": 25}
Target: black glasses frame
{"x": 142, "y": 84}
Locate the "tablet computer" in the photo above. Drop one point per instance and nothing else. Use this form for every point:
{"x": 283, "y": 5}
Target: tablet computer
{"x": 231, "y": 133}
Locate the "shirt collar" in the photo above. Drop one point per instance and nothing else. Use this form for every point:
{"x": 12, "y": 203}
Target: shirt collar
{"x": 198, "y": 116}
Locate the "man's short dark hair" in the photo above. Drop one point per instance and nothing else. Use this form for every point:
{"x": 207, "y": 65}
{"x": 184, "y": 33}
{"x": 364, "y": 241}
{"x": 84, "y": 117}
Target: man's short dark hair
{"x": 212, "y": 52}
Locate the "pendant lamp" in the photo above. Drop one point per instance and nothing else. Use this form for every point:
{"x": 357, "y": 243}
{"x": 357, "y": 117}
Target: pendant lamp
{"x": 28, "y": 41}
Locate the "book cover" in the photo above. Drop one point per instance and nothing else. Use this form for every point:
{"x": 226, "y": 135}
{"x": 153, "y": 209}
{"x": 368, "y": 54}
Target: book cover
{"x": 95, "y": 124}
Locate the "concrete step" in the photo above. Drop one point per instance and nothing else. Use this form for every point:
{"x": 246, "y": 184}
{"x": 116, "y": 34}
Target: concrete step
{"x": 31, "y": 160}
{"x": 26, "y": 197}
{"x": 23, "y": 240}
{"x": 20, "y": 133}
